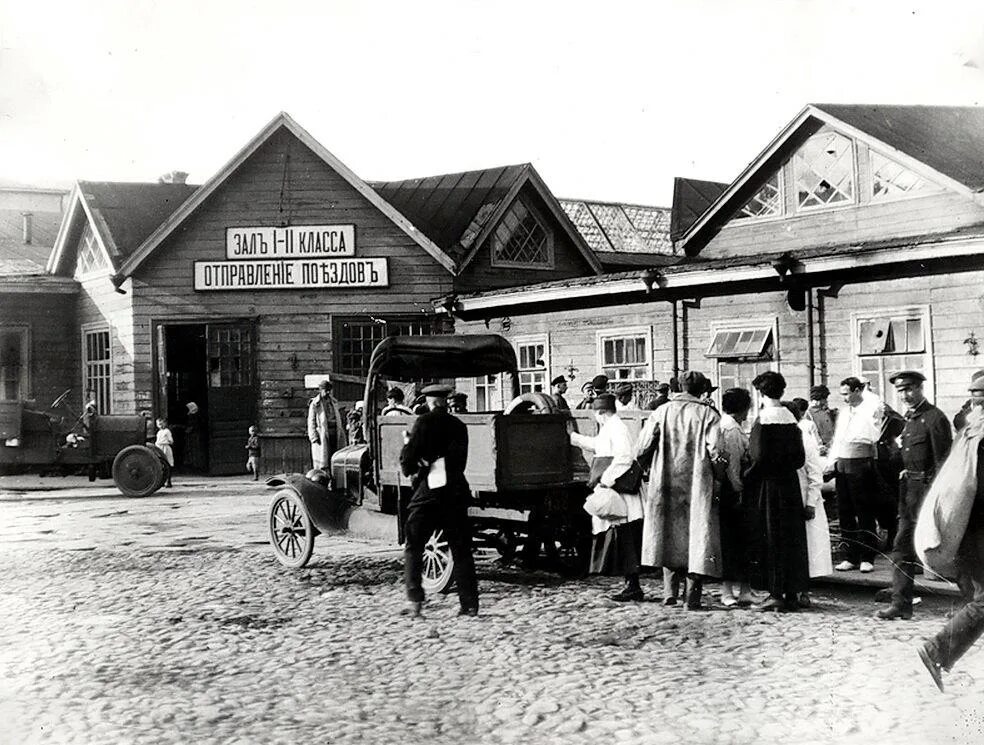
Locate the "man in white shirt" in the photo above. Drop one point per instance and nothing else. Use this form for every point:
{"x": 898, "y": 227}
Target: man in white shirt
{"x": 853, "y": 460}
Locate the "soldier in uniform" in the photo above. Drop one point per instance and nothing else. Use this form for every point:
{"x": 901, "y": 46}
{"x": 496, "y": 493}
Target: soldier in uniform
{"x": 435, "y": 454}
{"x": 926, "y": 440}
{"x": 558, "y": 387}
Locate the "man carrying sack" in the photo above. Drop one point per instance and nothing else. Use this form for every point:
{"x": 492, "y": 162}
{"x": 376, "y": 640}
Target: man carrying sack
{"x": 949, "y": 539}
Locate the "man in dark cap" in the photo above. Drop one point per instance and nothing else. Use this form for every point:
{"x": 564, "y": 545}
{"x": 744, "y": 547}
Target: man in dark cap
{"x": 458, "y": 402}
{"x": 600, "y": 384}
{"x": 558, "y": 387}
{"x": 926, "y": 442}
{"x": 661, "y": 397}
{"x": 623, "y": 397}
{"x": 822, "y": 415}
{"x": 435, "y": 454}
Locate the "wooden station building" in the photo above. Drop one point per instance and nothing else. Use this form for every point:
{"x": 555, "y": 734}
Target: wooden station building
{"x": 853, "y": 244}
{"x": 284, "y": 265}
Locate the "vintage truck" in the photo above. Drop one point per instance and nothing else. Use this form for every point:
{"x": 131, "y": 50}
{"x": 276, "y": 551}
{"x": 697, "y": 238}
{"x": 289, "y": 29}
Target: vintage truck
{"x": 57, "y": 439}
{"x": 527, "y": 482}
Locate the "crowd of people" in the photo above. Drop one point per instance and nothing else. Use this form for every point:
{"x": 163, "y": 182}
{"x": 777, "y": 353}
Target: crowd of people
{"x": 715, "y": 498}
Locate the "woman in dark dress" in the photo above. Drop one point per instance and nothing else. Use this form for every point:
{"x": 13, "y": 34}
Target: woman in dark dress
{"x": 777, "y": 530}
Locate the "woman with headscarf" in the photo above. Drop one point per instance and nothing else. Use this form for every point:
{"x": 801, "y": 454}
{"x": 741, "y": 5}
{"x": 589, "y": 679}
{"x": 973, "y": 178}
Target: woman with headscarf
{"x": 193, "y": 451}
{"x": 777, "y": 526}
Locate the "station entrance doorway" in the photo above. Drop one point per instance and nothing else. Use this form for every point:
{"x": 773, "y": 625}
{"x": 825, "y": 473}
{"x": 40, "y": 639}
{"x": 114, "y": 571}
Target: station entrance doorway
{"x": 207, "y": 388}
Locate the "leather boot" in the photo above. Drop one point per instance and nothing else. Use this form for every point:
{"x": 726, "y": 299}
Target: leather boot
{"x": 893, "y": 612}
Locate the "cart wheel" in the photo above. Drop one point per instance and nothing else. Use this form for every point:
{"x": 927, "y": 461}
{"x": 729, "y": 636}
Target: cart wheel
{"x": 531, "y": 403}
{"x": 137, "y": 471}
{"x": 291, "y": 535}
{"x": 438, "y": 564}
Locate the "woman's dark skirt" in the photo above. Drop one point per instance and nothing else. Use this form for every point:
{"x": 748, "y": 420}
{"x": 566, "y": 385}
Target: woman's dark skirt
{"x": 617, "y": 551}
{"x": 734, "y": 536}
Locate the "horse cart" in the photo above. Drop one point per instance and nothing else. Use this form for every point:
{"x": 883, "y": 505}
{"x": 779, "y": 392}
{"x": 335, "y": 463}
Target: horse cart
{"x": 527, "y": 482}
{"x": 57, "y": 439}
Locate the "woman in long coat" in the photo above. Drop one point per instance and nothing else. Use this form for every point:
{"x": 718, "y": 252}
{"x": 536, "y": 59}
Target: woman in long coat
{"x": 777, "y": 530}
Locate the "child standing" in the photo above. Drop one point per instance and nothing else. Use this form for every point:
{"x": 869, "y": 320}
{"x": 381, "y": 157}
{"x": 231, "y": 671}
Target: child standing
{"x": 253, "y": 453}
{"x": 164, "y": 443}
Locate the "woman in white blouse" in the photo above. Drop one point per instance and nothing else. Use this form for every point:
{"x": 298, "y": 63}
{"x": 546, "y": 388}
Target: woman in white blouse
{"x": 617, "y": 543}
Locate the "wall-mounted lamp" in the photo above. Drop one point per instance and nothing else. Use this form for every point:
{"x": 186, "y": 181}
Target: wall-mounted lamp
{"x": 506, "y": 323}
{"x": 973, "y": 344}
{"x": 784, "y": 268}
{"x": 652, "y": 277}
{"x": 571, "y": 370}
{"x": 292, "y": 359}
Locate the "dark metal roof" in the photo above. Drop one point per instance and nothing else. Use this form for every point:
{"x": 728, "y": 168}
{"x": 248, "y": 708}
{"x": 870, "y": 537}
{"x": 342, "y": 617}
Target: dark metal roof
{"x": 16, "y": 257}
{"x": 621, "y": 261}
{"x": 691, "y": 198}
{"x": 451, "y": 209}
{"x": 131, "y": 211}
{"x": 624, "y": 228}
{"x": 947, "y": 138}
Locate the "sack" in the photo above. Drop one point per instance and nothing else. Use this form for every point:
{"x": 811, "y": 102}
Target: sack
{"x": 719, "y": 468}
{"x": 606, "y": 504}
{"x": 628, "y": 483}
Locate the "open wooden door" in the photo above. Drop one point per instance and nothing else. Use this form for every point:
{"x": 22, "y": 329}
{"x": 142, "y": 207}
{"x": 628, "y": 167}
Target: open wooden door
{"x": 232, "y": 394}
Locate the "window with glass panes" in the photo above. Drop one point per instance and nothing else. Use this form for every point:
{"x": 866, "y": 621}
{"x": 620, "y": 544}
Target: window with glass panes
{"x": 355, "y": 338}
{"x": 890, "y": 179}
{"x": 521, "y": 239}
{"x": 230, "y": 357}
{"x": 91, "y": 258}
{"x": 823, "y": 169}
{"x": 97, "y": 368}
{"x": 532, "y": 366}
{"x": 889, "y": 343}
{"x": 741, "y": 354}
{"x": 13, "y": 363}
{"x": 488, "y": 393}
{"x": 767, "y": 202}
{"x": 625, "y": 356}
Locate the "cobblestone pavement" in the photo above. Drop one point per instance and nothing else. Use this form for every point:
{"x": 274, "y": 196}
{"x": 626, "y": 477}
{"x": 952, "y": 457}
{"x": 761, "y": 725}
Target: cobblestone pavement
{"x": 211, "y": 641}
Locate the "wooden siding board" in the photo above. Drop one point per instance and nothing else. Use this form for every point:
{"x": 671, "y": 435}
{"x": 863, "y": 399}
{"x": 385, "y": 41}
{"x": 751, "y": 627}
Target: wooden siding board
{"x": 54, "y": 348}
{"x": 913, "y": 216}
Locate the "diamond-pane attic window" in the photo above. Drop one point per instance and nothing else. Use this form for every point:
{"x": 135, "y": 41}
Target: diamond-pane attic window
{"x": 91, "y": 258}
{"x": 520, "y": 239}
{"x": 824, "y": 168}
{"x": 767, "y": 202}
{"x": 890, "y": 179}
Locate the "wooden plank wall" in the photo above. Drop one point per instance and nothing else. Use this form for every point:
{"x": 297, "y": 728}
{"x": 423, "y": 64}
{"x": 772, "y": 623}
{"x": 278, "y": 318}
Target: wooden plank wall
{"x": 54, "y": 349}
{"x": 288, "y": 322}
{"x": 914, "y": 216}
{"x": 480, "y": 275}
{"x": 98, "y": 302}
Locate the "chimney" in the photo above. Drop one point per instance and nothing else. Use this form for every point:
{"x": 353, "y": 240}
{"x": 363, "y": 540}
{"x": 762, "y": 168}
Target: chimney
{"x": 28, "y": 227}
{"x": 174, "y": 177}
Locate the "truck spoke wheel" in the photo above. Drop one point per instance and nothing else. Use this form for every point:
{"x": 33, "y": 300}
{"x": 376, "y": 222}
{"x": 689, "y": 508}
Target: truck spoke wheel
{"x": 291, "y": 534}
{"x": 438, "y": 563}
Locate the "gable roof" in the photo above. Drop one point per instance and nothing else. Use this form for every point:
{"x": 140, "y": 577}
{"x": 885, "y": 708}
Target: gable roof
{"x": 451, "y": 209}
{"x": 280, "y": 121}
{"x": 614, "y": 227}
{"x": 459, "y": 210}
{"x": 916, "y": 136}
{"x": 691, "y": 198}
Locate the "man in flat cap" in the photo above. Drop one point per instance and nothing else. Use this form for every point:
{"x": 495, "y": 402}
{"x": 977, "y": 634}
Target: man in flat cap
{"x": 926, "y": 440}
{"x": 681, "y": 528}
{"x": 954, "y": 540}
{"x": 822, "y": 415}
{"x": 661, "y": 397}
{"x": 558, "y": 387}
{"x": 623, "y": 397}
{"x": 434, "y": 455}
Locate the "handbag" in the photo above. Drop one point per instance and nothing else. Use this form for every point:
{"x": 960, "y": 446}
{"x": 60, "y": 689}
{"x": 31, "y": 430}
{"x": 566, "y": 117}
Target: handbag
{"x": 606, "y": 504}
{"x": 628, "y": 483}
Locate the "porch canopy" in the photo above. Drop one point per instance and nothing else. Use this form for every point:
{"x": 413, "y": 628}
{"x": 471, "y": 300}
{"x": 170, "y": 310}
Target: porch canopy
{"x": 431, "y": 357}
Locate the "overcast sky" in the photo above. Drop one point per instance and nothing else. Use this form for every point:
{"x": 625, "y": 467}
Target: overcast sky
{"x": 609, "y": 100}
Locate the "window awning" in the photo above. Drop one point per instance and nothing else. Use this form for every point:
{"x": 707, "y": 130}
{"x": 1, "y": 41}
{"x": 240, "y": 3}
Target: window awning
{"x": 748, "y": 342}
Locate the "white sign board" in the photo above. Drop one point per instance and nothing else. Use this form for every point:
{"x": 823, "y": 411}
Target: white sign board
{"x": 289, "y": 275}
{"x": 294, "y": 242}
